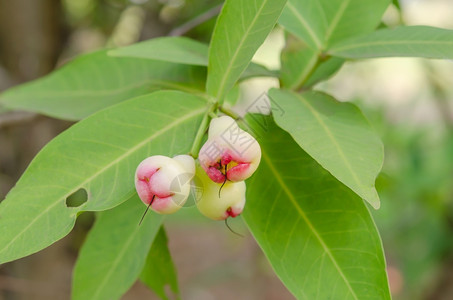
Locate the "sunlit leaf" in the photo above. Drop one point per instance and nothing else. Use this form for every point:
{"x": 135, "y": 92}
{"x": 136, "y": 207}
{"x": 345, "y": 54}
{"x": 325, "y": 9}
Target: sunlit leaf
{"x": 159, "y": 270}
{"x": 297, "y": 60}
{"x": 172, "y": 49}
{"x": 95, "y": 81}
{"x": 336, "y": 135}
{"x": 407, "y": 41}
{"x": 322, "y": 22}
{"x": 98, "y": 154}
{"x": 317, "y": 234}
{"x": 114, "y": 252}
{"x": 241, "y": 28}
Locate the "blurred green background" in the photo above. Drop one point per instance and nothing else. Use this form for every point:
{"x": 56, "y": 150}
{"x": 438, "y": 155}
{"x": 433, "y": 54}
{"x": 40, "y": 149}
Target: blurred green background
{"x": 408, "y": 101}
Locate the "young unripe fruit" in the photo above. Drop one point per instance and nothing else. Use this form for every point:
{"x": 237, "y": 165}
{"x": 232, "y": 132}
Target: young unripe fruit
{"x": 229, "y": 203}
{"x": 164, "y": 182}
{"x": 230, "y": 153}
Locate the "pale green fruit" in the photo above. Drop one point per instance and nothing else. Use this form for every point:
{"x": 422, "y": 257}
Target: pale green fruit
{"x": 219, "y": 206}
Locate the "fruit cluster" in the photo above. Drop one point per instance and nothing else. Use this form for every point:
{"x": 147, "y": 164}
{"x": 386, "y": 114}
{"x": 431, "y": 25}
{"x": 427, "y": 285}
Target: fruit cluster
{"x": 229, "y": 156}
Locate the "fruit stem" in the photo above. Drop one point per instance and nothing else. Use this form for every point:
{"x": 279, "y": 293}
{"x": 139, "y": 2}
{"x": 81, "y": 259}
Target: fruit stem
{"x": 209, "y": 114}
{"x": 229, "y": 112}
{"x": 240, "y": 120}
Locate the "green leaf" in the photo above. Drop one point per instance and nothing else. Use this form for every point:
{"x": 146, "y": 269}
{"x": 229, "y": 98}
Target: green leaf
{"x": 241, "y": 28}
{"x": 303, "y": 67}
{"x": 397, "y": 4}
{"x": 257, "y": 70}
{"x": 181, "y": 50}
{"x": 305, "y": 19}
{"x": 322, "y": 22}
{"x": 95, "y": 81}
{"x": 233, "y": 96}
{"x": 406, "y": 41}
{"x": 98, "y": 154}
{"x": 159, "y": 270}
{"x": 297, "y": 62}
{"x": 171, "y": 49}
{"x": 324, "y": 71}
{"x": 318, "y": 235}
{"x": 114, "y": 252}
{"x": 336, "y": 135}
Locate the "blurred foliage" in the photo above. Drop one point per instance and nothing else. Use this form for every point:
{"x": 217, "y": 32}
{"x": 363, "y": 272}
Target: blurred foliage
{"x": 104, "y": 14}
{"x": 95, "y": 13}
{"x": 415, "y": 219}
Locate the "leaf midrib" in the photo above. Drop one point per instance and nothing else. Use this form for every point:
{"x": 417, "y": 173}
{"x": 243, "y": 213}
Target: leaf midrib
{"x": 100, "y": 92}
{"x": 114, "y": 265}
{"x": 306, "y": 71}
{"x": 331, "y": 137}
{"x": 336, "y": 20}
{"x": 226, "y": 74}
{"x": 390, "y": 42}
{"x": 305, "y": 24}
{"x": 293, "y": 200}
{"x": 131, "y": 150}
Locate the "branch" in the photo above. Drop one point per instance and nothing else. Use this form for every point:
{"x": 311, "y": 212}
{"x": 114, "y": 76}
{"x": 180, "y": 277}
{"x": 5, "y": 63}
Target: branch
{"x": 191, "y": 24}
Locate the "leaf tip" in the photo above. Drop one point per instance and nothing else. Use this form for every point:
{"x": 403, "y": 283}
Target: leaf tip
{"x": 373, "y": 199}
{"x": 376, "y": 205}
